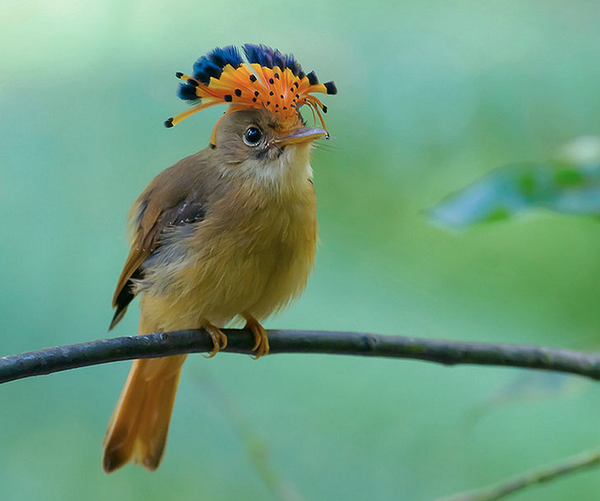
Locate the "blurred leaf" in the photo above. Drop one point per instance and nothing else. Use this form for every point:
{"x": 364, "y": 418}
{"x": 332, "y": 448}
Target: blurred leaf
{"x": 569, "y": 184}
{"x": 526, "y": 387}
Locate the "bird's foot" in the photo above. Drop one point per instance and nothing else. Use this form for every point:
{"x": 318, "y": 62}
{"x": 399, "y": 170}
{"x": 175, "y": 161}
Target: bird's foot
{"x": 261, "y": 341}
{"x": 218, "y": 338}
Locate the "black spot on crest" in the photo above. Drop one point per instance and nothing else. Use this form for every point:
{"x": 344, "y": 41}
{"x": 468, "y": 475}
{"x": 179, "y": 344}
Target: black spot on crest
{"x": 331, "y": 88}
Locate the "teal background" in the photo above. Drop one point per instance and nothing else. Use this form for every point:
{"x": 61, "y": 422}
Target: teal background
{"x": 432, "y": 95}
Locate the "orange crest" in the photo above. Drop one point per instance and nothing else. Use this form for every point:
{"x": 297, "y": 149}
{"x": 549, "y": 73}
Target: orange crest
{"x": 268, "y": 80}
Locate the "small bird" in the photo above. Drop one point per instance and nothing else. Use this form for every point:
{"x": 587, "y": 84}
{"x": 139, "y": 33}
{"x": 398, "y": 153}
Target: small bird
{"x": 227, "y": 234}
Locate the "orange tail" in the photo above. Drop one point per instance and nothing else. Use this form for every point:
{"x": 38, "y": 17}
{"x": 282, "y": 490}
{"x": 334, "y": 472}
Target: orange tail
{"x": 139, "y": 424}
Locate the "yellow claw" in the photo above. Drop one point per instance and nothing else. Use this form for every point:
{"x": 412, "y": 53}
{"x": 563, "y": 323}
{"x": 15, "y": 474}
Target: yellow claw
{"x": 218, "y": 338}
{"x": 261, "y": 340}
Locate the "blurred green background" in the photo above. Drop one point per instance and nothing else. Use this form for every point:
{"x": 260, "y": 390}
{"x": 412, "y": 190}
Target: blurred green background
{"x": 432, "y": 95}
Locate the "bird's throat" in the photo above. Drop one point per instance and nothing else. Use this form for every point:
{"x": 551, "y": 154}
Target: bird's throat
{"x": 286, "y": 173}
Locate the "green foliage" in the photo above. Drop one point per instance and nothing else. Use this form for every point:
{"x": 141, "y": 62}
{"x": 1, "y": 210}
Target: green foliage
{"x": 569, "y": 184}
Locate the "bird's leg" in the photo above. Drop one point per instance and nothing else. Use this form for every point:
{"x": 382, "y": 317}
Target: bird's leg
{"x": 218, "y": 338}
{"x": 261, "y": 345}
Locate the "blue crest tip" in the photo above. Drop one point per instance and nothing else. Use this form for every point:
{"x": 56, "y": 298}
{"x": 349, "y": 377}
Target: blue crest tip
{"x": 212, "y": 64}
{"x": 187, "y": 92}
{"x": 268, "y": 57}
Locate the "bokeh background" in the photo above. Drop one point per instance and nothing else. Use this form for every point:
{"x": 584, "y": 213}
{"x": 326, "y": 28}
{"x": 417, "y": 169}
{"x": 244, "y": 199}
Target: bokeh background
{"x": 432, "y": 95}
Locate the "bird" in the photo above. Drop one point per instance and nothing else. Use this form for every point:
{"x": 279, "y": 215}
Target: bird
{"x": 226, "y": 235}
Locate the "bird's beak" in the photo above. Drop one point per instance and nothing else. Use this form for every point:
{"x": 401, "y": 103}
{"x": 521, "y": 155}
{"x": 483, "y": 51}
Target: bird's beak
{"x": 302, "y": 135}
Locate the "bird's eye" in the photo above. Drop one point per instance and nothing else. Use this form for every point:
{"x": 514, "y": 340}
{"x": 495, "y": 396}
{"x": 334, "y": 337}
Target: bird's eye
{"x": 252, "y": 136}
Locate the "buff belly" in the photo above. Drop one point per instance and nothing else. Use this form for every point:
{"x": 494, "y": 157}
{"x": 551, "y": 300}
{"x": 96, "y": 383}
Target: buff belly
{"x": 203, "y": 273}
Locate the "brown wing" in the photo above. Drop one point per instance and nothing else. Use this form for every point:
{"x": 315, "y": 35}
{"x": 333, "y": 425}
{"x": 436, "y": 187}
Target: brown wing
{"x": 175, "y": 197}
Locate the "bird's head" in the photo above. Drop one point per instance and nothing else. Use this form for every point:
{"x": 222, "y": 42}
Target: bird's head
{"x": 263, "y": 123}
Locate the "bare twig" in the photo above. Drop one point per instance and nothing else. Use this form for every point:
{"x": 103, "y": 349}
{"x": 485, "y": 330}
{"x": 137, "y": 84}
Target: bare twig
{"x": 571, "y": 464}
{"x": 443, "y": 352}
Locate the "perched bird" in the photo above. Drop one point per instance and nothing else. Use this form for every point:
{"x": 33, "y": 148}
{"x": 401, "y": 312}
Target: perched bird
{"x": 226, "y": 234}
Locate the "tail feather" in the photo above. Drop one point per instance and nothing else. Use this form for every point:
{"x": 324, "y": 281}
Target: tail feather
{"x": 156, "y": 416}
{"x": 140, "y": 422}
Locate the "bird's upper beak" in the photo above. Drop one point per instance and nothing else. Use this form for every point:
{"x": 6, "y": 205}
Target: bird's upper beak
{"x": 302, "y": 135}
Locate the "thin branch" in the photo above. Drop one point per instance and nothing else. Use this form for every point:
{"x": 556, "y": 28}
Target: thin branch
{"x": 443, "y": 352}
{"x": 571, "y": 464}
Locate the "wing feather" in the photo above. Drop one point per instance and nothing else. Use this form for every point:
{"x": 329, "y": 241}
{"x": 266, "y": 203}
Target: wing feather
{"x": 171, "y": 199}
